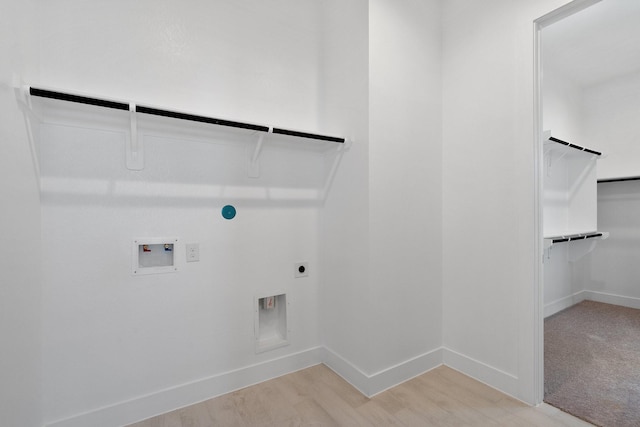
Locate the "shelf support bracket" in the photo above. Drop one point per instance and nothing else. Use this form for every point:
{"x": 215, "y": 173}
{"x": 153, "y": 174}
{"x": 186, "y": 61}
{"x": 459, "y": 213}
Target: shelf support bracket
{"x": 24, "y": 103}
{"x": 135, "y": 148}
{"x": 339, "y": 153}
{"x": 254, "y": 164}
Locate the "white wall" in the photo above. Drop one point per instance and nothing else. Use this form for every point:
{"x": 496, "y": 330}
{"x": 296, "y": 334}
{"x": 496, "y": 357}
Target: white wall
{"x": 488, "y": 209}
{"x": 254, "y": 61}
{"x": 405, "y": 181}
{"x": 20, "y": 289}
{"x": 367, "y": 325}
{"x": 111, "y": 337}
{"x": 114, "y": 341}
{"x": 611, "y": 109}
{"x": 345, "y": 220}
{"x": 562, "y": 103}
{"x": 264, "y": 67}
{"x": 610, "y": 273}
{"x": 382, "y": 221}
{"x": 562, "y": 108}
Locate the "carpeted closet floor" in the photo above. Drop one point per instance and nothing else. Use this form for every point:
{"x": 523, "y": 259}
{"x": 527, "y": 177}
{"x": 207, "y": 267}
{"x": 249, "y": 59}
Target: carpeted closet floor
{"x": 592, "y": 363}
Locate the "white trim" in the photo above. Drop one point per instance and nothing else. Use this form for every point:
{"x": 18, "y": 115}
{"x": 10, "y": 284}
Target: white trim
{"x": 585, "y": 295}
{"x": 538, "y": 227}
{"x": 563, "y": 12}
{"x": 631, "y": 302}
{"x": 486, "y": 374}
{"x": 404, "y": 371}
{"x": 560, "y": 304}
{"x": 538, "y": 296}
{"x": 372, "y": 384}
{"x": 172, "y": 398}
{"x": 348, "y": 371}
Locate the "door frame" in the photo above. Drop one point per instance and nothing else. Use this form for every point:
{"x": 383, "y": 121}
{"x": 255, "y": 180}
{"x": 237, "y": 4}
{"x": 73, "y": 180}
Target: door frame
{"x": 539, "y": 24}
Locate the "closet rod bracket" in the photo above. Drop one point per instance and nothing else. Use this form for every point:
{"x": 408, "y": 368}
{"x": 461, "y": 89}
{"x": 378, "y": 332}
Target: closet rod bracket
{"x": 254, "y": 160}
{"x": 135, "y": 148}
{"x": 23, "y": 99}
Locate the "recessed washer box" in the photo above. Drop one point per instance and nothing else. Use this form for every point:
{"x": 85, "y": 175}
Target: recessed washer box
{"x": 271, "y": 325}
{"x": 154, "y": 255}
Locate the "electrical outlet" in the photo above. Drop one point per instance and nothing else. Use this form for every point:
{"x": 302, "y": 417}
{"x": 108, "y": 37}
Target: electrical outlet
{"x": 301, "y": 269}
{"x": 193, "y": 252}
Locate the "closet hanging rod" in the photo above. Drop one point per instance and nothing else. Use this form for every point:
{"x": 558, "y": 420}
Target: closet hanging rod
{"x": 631, "y": 178}
{"x": 202, "y": 119}
{"x": 575, "y": 237}
{"x": 44, "y": 93}
{"x": 308, "y": 135}
{"x": 577, "y": 147}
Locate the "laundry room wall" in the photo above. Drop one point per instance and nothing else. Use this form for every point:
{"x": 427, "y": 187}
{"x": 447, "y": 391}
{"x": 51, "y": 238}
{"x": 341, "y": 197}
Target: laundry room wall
{"x": 405, "y": 178}
{"x": 119, "y": 345}
{"x": 382, "y": 221}
{"x": 489, "y": 261}
{"x": 20, "y": 289}
{"x": 345, "y": 224}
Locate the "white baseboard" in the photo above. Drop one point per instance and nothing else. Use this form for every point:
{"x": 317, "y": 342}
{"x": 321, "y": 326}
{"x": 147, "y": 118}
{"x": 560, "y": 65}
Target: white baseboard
{"x": 562, "y": 303}
{"x": 167, "y": 400}
{"x": 372, "y": 384}
{"x": 489, "y": 375}
{"x": 404, "y": 371}
{"x": 607, "y": 298}
{"x": 566, "y": 302}
{"x": 349, "y": 372}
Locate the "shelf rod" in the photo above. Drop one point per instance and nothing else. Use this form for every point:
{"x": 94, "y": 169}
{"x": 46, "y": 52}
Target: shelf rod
{"x": 577, "y": 147}
{"x": 202, "y": 119}
{"x": 631, "y": 178}
{"x": 308, "y": 135}
{"x": 575, "y": 237}
{"x": 44, "y": 93}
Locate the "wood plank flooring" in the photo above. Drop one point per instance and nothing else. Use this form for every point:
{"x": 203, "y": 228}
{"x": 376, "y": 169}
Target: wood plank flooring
{"x": 317, "y": 396}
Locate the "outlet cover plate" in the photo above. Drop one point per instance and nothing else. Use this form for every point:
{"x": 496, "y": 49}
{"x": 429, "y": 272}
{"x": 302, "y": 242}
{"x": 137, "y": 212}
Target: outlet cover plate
{"x": 301, "y": 269}
{"x": 193, "y": 252}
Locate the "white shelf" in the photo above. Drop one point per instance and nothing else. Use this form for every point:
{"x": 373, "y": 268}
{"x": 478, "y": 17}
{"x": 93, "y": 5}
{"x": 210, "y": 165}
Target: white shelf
{"x": 570, "y": 188}
{"x": 574, "y": 237}
{"x": 552, "y": 144}
{"x": 129, "y": 114}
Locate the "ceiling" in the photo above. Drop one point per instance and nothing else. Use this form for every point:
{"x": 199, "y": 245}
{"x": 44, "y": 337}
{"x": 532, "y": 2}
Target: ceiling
{"x": 596, "y": 44}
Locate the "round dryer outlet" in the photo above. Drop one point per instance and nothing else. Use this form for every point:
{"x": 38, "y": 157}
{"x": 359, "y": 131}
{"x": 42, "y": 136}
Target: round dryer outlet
{"x": 301, "y": 269}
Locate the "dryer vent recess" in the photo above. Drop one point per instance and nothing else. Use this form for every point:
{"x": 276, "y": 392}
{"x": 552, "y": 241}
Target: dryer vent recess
{"x": 301, "y": 269}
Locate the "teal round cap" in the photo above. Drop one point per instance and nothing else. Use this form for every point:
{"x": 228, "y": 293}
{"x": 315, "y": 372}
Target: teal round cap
{"x": 228, "y": 212}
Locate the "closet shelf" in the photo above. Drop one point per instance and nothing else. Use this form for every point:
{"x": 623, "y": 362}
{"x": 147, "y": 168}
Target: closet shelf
{"x": 552, "y": 240}
{"x": 554, "y": 144}
{"x": 119, "y": 105}
{"x": 574, "y": 237}
{"x": 621, "y": 179}
{"x": 135, "y": 152}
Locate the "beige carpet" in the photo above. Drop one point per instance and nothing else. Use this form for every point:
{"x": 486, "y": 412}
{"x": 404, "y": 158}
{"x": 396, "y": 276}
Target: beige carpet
{"x": 592, "y": 363}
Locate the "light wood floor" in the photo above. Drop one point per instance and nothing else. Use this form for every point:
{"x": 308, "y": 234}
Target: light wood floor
{"x": 316, "y": 396}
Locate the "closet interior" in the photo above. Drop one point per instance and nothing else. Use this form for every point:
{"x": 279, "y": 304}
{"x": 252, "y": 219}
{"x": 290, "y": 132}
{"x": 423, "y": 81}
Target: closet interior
{"x": 590, "y": 105}
{"x": 591, "y": 175}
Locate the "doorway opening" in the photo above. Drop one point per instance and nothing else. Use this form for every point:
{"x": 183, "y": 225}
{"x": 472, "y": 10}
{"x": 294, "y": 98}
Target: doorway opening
{"x": 588, "y": 104}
